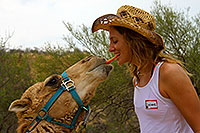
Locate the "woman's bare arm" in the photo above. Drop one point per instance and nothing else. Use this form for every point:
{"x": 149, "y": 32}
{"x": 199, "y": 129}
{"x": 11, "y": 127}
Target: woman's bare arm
{"x": 175, "y": 83}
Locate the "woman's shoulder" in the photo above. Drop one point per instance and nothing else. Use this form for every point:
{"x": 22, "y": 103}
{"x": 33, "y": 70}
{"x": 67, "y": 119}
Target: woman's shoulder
{"x": 173, "y": 77}
{"x": 171, "y": 69}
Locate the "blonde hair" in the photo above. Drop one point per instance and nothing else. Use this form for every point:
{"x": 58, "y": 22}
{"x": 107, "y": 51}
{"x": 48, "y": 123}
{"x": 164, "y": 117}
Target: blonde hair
{"x": 144, "y": 51}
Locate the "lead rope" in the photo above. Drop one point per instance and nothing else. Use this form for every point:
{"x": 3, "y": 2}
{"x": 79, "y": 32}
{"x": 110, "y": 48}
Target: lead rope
{"x": 82, "y": 125}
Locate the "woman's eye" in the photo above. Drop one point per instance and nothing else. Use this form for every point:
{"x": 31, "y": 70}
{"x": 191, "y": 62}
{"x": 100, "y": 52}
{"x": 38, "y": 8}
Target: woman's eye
{"x": 115, "y": 41}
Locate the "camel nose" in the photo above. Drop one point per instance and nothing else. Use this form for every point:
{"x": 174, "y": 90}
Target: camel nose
{"x": 108, "y": 68}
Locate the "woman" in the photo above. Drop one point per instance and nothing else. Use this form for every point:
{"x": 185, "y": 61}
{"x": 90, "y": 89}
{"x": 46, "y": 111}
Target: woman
{"x": 165, "y": 99}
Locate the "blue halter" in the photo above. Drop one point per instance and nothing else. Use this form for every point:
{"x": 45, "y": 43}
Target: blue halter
{"x": 67, "y": 85}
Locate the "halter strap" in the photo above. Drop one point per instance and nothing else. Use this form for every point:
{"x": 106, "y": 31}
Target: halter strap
{"x": 67, "y": 85}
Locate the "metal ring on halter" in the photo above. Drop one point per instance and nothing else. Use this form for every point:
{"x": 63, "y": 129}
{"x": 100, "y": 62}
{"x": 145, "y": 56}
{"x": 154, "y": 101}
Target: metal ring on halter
{"x": 67, "y": 84}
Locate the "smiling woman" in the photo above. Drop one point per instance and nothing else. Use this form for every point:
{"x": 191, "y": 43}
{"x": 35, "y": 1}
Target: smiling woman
{"x": 160, "y": 80}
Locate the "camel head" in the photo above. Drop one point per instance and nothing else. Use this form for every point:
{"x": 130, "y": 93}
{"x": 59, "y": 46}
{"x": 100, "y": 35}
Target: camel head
{"x": 86, "y": 74}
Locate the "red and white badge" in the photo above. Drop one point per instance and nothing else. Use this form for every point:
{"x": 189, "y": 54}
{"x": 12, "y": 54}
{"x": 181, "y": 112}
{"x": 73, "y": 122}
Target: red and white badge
{"x": 151, "y": 104}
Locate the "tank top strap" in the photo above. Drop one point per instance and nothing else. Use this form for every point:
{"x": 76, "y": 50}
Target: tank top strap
{"x": 155, "y": 81}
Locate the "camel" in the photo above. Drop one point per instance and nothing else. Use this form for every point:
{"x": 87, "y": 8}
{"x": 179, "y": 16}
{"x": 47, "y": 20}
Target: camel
{"x": 86, "y": 75}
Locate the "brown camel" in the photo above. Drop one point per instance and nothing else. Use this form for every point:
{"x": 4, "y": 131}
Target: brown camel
{"x": 86, "y": 74}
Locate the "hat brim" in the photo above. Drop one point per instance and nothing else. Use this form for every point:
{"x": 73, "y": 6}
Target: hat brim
{"x": 106, "y": 21}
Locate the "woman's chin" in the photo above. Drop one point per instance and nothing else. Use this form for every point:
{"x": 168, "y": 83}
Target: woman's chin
{"x": 120, "y": 63}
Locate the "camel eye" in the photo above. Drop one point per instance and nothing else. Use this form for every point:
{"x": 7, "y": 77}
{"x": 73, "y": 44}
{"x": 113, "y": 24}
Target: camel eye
{"x": 52, "y": 81}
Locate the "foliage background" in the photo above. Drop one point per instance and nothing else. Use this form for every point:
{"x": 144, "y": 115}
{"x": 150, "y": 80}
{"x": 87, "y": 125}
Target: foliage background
{"x": 113, "y": 109}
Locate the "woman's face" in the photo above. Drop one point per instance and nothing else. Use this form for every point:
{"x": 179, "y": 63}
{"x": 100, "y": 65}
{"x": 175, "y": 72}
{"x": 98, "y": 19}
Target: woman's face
{"x": 119, "y": 46}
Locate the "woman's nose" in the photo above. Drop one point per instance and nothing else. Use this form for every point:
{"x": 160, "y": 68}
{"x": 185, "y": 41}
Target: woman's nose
{"x": 111, "y": 48}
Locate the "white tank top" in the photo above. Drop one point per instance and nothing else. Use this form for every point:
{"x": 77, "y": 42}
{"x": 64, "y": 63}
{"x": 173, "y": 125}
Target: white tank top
{"x": 157, "y": 114}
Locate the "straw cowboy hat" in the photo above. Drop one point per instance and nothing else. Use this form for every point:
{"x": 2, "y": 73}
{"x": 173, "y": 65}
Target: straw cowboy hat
{"x": 133, "y": 18}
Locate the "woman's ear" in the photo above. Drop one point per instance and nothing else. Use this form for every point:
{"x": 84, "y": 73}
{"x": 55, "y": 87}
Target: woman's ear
{"x": 19, "y": 105}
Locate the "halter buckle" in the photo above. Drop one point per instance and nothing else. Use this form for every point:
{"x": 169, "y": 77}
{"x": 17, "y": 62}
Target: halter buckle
{"x": 67, "y": 84}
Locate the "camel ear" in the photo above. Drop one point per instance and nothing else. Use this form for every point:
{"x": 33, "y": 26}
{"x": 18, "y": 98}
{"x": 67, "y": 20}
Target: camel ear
{"x": 19, "y": 105}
